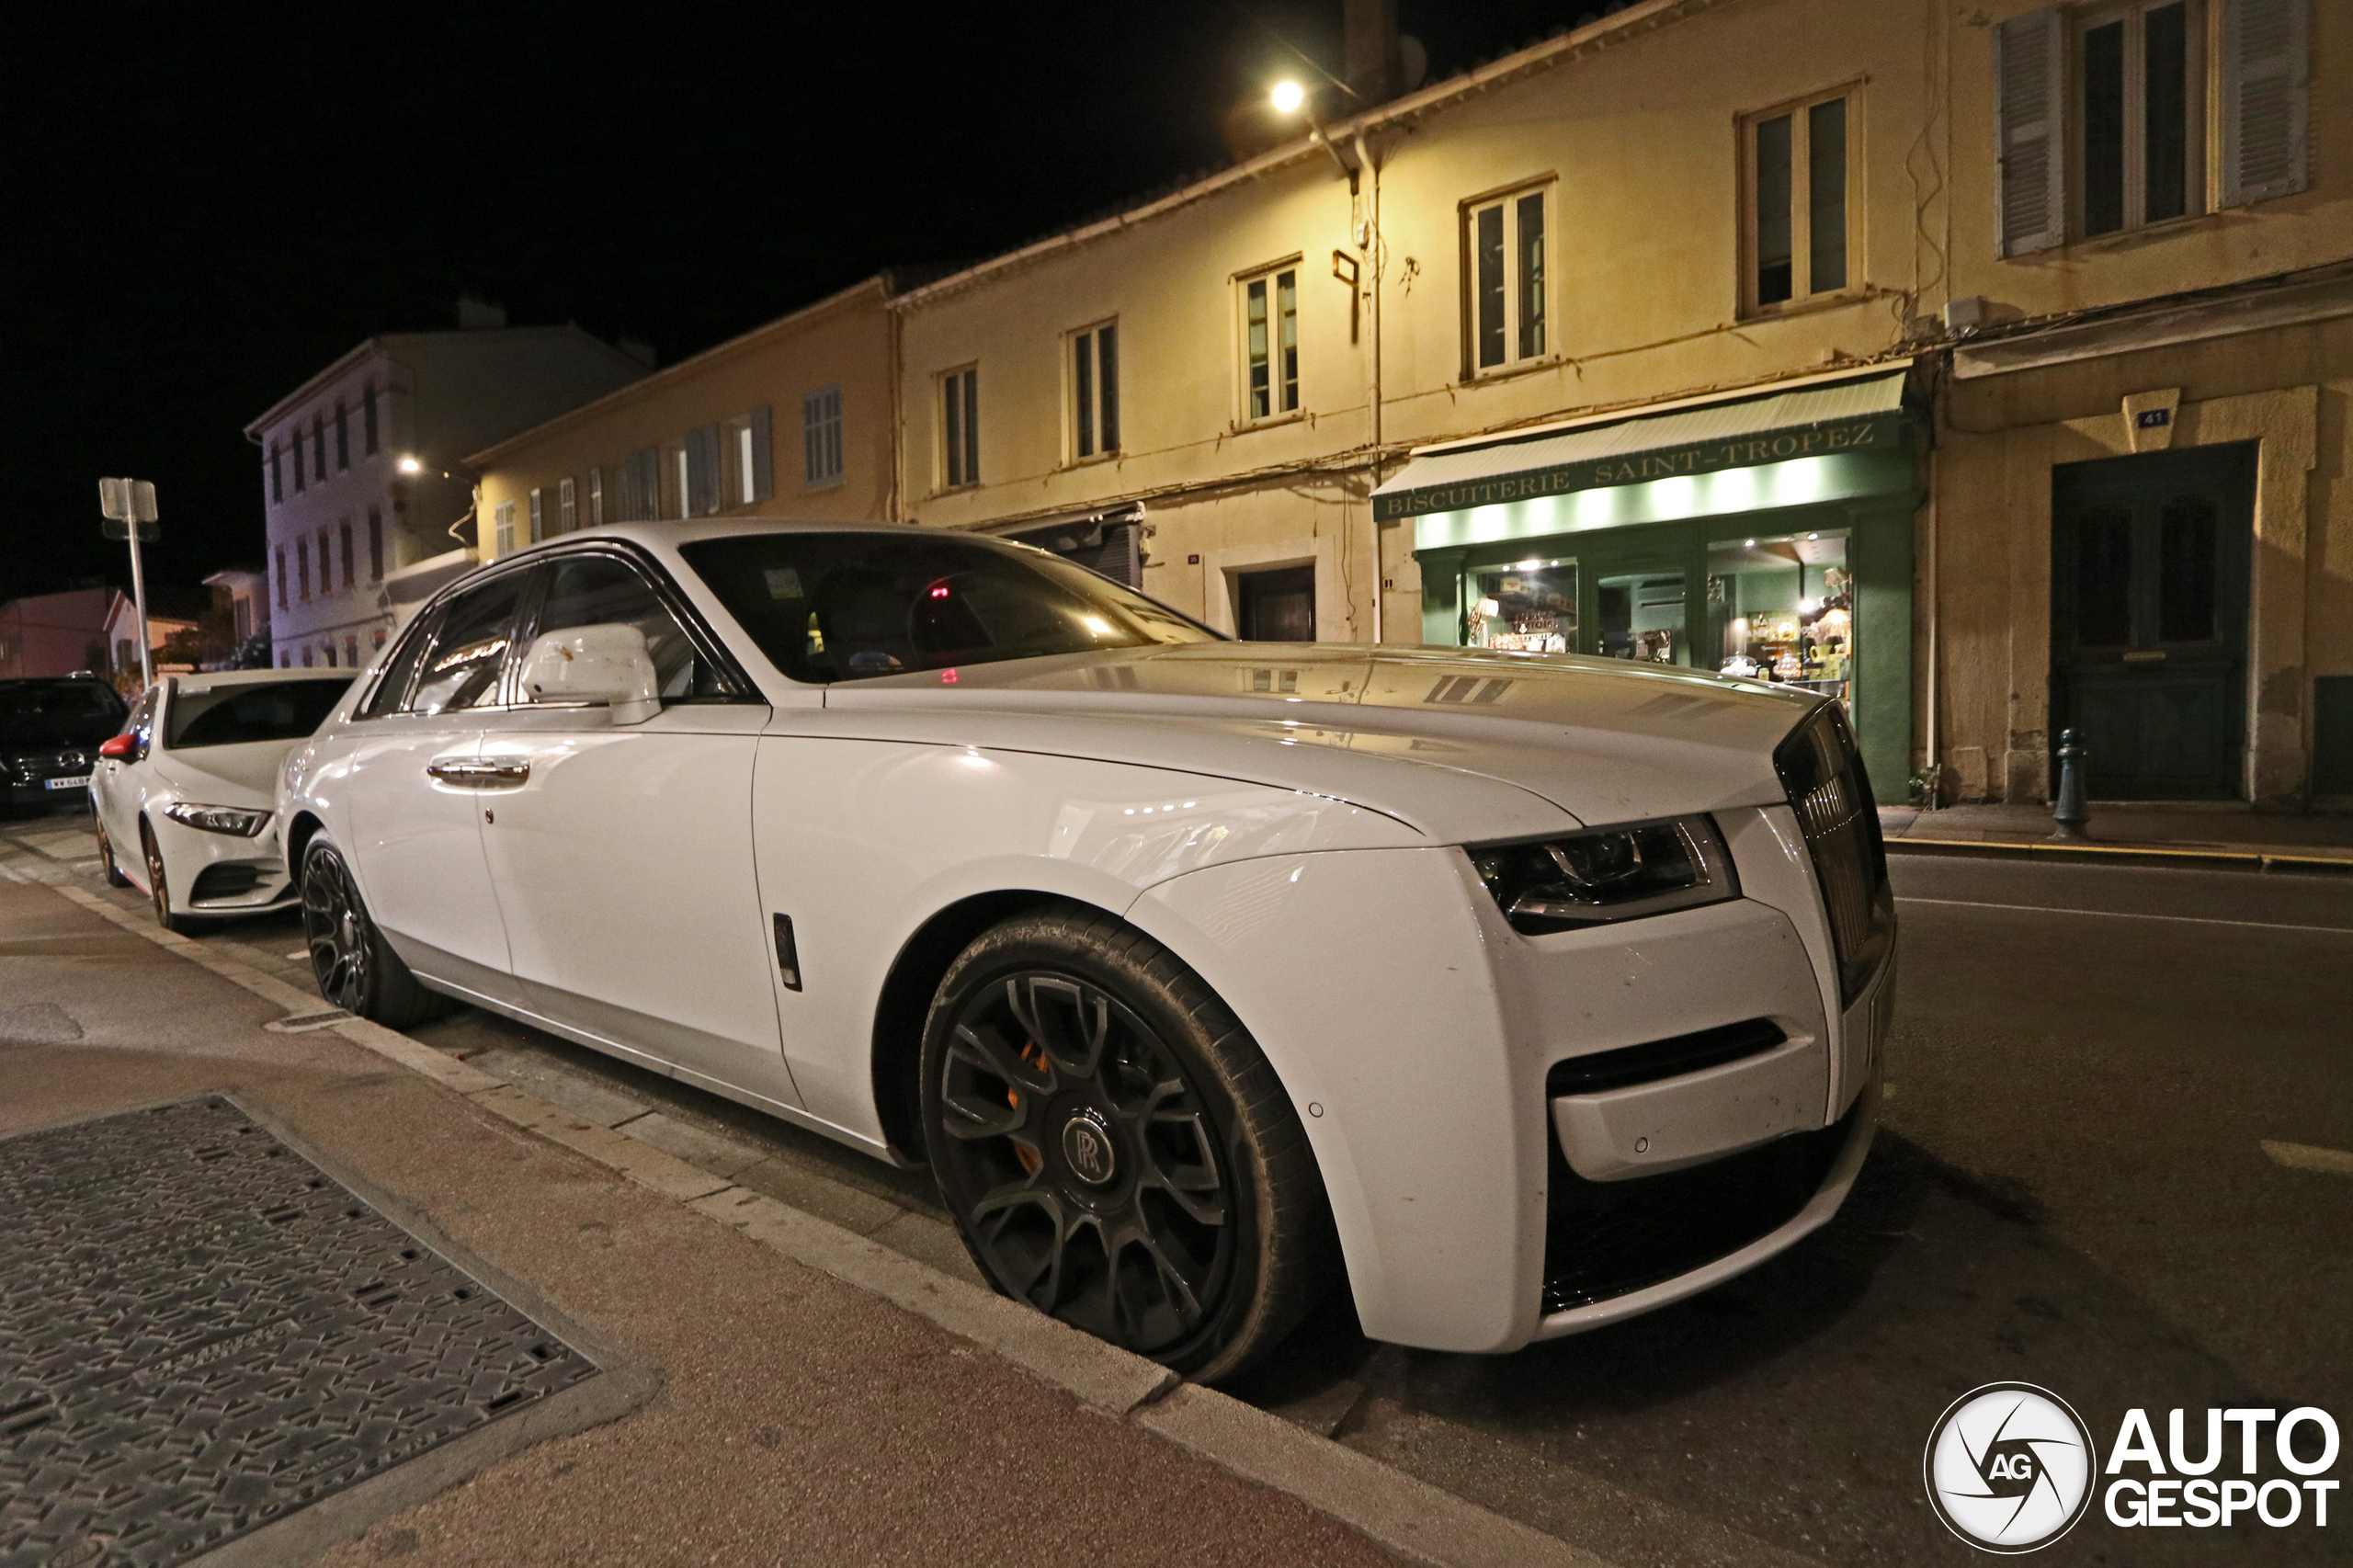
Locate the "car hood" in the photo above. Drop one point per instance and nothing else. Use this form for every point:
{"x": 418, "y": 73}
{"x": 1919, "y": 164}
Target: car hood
{"x": 244, "y": 775}
{"x": 1436, "y": 738}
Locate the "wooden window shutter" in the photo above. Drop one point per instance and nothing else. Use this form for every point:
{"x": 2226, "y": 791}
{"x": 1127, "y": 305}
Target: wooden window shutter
{"x": 2030, "y": 117}
{"x": 763, "y": 471}
{"x": 2265, "y": 76}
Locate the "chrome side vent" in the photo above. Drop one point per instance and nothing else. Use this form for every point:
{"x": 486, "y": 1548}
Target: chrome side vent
{"x": 1276, "y": 681}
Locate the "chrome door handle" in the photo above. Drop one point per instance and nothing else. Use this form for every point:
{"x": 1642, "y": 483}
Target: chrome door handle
{"x": 476, "y": 773}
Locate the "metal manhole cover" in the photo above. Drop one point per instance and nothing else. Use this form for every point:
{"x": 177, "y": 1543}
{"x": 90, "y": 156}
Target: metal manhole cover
{"x": 202, "y": 1331}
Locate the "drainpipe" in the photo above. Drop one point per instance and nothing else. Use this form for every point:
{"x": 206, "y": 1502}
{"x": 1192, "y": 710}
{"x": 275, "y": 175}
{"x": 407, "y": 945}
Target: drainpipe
{"x": 1371, "y": 246}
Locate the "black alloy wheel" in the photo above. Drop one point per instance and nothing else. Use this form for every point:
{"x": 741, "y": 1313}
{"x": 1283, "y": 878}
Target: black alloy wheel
{"x": 1116, "y": 1151}
{"x": 115, "y": 879}
{"x": 355, "y": 967}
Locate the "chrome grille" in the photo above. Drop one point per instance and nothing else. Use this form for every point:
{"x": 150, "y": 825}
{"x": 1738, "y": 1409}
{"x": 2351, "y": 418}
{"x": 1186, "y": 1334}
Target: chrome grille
{"x": 1823, "y": 773}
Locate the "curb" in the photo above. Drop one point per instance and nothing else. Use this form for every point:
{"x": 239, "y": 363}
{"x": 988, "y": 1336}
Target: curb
{"x": 2119, "y": 854}
{"x": 1423, "y": 1523}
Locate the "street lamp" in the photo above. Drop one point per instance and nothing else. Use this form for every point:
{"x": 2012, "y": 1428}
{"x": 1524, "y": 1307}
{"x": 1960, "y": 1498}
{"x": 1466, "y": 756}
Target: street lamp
{"x": 1288, "y": 95}
{"x": 408, "y": 465}
{"x": 1289, "y": 98}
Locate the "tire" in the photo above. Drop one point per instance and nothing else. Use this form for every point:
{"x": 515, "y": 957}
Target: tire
{"x": 115, "y": 879}
{"x": 354, "y": 965}
{"x": 159, "y": 888}
{"x": 1116, "y": 1151}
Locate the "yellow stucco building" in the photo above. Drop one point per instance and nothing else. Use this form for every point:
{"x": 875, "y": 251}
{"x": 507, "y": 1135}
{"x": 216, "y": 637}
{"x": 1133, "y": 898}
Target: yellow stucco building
{"x": 1984, "y": 364}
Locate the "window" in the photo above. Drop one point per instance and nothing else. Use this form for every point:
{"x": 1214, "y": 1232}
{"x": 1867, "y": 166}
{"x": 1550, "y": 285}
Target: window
{"x": 285, "y": 660}
{"x": 469, "y": 649}
{"x": 678, "y": 480}
{"x": 241, "y": 715}
{"x": 327, "y": 563}
{"x": 700, "y": 471}
{"x": 1094, "y": 392}
{"x": 367, "y": 429}
{"x": 637, "y": 487}
{"x": 1796, "y": 198}
{"x": 380, "y": 638}
{"x": 567, "y": 515}
{"x": 303, "y": 565}
{"x": 375, "y": 545}
{"x": 310, "y": 655}
{"x": 597, "y": 498}
{"x": 276, "y": 475}
{"x": 539, "y": 517}
{"x": 751, "y": 461}
{"x": 1271, "y": 344}
{"x": 326, "y": 651}
{"x": 350, "y": 559}
{"x": 294, "y": 450}
{"x": 2105, "y": 123}
{"x": 821, "y": 438}
{"x": 960, "y": 428}
{"x": 351, "y": 650}
{"x": 319, "y": 447}
{"x": 828, "y": 607}
{"x": 282, "y": 576}
{"x": 342, "y": 436}
{"x": 501, "y": 529}
{"x": 1509, "y": 281}
{"x": 597, "y": 590}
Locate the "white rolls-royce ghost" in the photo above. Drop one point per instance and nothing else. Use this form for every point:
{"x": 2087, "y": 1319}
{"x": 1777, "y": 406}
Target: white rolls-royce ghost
{"x": 1533, "y": 992}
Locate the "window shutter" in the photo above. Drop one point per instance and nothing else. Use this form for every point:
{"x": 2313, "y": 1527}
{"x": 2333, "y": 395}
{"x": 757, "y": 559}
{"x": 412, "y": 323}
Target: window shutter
{"x": 2266, "y": 69}
{"x": 763, "y": 470}
{"x": 2030, "y": 93}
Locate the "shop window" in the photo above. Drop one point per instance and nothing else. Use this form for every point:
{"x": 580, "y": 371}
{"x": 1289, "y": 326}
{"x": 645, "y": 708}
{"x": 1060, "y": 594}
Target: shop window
{"x": 1510, "y": 279}
{"x": 960, "y": 428}
{"x": 1782, "y": 609}
{"x": 1639, "y": 617}
{"x": 1271, "y": 344}
{"x": 1529, "y": 606}
{"x": 1796, "y": 200}
{"x": 1094, "y": 392}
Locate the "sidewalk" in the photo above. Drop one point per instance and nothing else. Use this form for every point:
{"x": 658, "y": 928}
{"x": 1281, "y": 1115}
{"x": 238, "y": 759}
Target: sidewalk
{"x": 798, "y": 1417}
{"x": 2221, "y": 834}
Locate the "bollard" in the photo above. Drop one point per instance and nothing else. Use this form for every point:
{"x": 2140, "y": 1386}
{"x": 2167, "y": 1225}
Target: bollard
{"x": 2070, "y": 818}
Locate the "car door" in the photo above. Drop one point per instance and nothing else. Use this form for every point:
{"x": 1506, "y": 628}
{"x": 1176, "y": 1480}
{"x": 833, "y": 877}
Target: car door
{"x": 623, "y": 853}
{"x": 413, "y": 796}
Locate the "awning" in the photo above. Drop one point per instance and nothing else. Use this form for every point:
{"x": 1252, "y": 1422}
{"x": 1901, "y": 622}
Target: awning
{"x": 1864, "y": 414}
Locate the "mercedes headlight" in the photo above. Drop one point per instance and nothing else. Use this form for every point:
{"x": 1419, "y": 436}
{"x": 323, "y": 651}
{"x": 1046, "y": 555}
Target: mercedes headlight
{"x": 233, "y": 820}
{"x": 1617, "y": 873}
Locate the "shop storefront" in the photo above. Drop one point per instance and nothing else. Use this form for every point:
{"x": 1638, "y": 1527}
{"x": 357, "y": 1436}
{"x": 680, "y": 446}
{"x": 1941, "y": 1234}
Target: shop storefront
{"x": 1768, "y": 536}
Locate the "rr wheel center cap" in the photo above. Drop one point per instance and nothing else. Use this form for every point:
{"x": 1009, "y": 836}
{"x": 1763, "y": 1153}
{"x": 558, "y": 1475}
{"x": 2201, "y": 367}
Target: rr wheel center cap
{"x": 1088, "y": 1148}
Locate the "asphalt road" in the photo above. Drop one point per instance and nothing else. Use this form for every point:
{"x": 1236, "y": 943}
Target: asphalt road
{"x": 2070, "y": 1188}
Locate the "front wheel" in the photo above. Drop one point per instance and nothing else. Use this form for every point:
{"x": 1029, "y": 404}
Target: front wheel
{"x": 159, "y": 887}
{"x": 355, "y": 966}
{"x": 1115, "y": 1149}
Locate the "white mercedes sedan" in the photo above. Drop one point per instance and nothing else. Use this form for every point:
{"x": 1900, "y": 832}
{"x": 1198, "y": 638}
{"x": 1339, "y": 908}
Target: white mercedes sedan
{"x": 1532, "y": 992}
{"x": 186, "y": 796}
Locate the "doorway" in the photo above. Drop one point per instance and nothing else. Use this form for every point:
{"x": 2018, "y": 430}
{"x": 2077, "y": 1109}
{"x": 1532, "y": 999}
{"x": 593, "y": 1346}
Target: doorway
{"x": 1277, "y": 606}
{"x": 2148, "y": 621}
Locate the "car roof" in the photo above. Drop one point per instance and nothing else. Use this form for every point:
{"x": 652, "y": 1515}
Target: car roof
{"x": 669, "y": 535}
{"x": 207, "y": 680}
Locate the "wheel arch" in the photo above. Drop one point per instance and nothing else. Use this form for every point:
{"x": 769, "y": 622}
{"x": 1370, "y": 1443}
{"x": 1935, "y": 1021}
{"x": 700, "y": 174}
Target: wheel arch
{"x": 905, "y": 997}
{"x": 304, "y": 827}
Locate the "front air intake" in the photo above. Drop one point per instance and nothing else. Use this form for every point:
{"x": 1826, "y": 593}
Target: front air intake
{"x": 1823, "y": 773}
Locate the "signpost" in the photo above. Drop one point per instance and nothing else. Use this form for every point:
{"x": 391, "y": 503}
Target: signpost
{"x": 130, "y": 508}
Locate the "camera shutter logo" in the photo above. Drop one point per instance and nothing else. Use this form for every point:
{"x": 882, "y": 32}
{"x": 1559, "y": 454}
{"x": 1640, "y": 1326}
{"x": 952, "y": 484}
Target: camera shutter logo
{"x": 2010, "y": 1468}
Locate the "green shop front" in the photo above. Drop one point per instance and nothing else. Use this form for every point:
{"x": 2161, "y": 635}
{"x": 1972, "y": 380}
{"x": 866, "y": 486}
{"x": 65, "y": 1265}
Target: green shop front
{"x": 1768, "y": 537}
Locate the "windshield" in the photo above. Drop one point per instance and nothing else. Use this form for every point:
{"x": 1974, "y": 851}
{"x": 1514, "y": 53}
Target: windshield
{"x": 852, "y": 606}
{"x": 36, "y": 712}
{"x": 234, "y": 715}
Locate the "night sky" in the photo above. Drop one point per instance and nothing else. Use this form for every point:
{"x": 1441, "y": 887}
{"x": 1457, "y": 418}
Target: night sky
{"x": 205, "y": 204}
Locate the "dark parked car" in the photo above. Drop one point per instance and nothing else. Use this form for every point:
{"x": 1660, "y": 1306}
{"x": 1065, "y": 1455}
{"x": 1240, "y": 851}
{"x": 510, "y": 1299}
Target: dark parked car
{"x": 50, "y": 731}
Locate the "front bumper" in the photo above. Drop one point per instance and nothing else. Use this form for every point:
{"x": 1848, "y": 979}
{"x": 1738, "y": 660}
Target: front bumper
{"x": 220, "y": 873}
{"x": 1416, "y": 1029}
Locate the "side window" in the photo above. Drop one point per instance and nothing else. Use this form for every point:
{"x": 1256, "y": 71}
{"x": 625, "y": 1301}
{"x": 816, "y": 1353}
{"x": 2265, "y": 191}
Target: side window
{"x": 400, "y": 670}
{"x": 597, "y": 590}
{"x": 469, "y": 649}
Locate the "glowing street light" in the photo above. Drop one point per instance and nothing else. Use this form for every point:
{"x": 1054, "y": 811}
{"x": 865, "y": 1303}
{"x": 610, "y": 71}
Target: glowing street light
{"x": 1287, "y": 96}
{"x": 408, "y": 465}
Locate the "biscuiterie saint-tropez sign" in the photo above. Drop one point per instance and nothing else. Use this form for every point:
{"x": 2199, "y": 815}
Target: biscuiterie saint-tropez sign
{"x": 1876, "y": 432}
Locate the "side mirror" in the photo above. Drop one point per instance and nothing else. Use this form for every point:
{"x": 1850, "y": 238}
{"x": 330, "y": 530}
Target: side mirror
{"x": 120, "y": 748}
{"x": 595, "y": 664}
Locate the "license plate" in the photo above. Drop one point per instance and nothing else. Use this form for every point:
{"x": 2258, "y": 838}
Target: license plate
{"x": 81, "y": 783}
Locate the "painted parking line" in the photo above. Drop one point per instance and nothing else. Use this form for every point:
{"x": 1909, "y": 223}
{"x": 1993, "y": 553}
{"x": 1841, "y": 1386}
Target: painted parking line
{"x": 2306, "y": 1157}
{"x": 2127, "y": 914}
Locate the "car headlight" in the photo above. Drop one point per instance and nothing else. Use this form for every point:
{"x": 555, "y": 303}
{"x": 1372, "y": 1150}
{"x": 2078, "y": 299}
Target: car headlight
{"x": 1617, "y": 873}
{"x": 233, "y": 820}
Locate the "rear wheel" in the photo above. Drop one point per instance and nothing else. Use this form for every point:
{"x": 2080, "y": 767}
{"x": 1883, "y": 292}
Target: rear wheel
{"x": 159, "y": 888}
{"x": 115, "y": 879}
{"x": 355, "y": 966}
{"x": 1115, "y": 1149}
